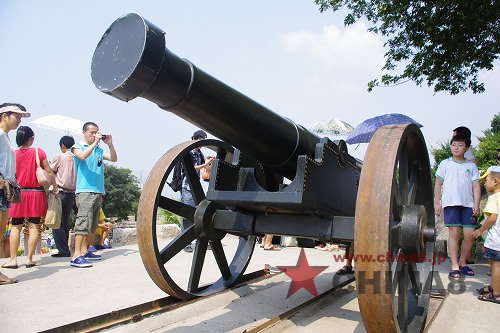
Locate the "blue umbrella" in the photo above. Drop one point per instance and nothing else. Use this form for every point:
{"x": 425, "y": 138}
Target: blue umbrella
{"x": 364, "y": 131}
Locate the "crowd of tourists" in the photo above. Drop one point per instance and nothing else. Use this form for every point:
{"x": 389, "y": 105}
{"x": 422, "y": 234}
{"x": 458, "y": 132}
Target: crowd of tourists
{"x": 75, "y": 176}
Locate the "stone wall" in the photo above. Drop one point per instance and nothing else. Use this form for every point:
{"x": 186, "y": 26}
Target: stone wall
{"x": 441, "y": 247}
{"x": 126, "y": 236}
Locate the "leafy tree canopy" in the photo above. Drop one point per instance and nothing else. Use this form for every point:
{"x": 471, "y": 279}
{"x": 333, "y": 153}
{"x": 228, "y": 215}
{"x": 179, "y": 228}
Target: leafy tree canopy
{"x": 122, "y": 192}
{"x": 444, "y": 42}
{"x": 489, "y": 144}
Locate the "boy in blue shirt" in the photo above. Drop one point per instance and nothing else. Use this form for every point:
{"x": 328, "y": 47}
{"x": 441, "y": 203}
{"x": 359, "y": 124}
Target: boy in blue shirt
{"x": 89, "y": 164}
{"x": 459, "y": 181}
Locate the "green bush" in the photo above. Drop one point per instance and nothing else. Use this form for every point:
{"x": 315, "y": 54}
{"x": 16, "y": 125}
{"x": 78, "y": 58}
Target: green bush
{"x": 167, "y": 217}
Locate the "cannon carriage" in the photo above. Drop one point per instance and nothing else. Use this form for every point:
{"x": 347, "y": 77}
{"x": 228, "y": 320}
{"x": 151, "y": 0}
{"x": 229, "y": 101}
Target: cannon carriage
{"x": 272, "y": 176}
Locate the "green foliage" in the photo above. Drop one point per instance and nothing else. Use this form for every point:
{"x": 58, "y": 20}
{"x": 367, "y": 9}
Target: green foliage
{"x": 445, "y": 43}
{"x": 167, "y": 217}
{"x": 487, "y": 149}
{"x": 122, "y": 192}
{"x": 495, "y": 124}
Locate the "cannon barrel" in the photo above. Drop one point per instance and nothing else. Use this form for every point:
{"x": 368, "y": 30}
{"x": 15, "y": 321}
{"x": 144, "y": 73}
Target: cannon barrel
{"x": 132, "y": 60}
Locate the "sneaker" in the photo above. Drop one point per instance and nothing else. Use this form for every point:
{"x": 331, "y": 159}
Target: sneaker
{"x": 188, "y": 248}
{"x": 90, "y": 256}
{"x": 80, "y": 262}
{"x": 92, "y": 248}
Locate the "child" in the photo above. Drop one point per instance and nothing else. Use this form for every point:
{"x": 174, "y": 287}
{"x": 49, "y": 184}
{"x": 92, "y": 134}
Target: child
{"x": 459, "y": 181}
{"x": 103, "y": 230}
{"x": 492, "y": 242}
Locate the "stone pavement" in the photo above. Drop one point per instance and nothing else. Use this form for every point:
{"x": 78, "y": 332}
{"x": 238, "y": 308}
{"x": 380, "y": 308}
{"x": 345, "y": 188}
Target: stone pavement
{"x": 54, "y": 293}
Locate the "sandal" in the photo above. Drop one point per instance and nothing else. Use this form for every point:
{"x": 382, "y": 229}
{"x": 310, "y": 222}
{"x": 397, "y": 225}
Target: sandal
{"x": 345, "y": 270}
{"x": 454, "y": 274}
{"x": 6, "y": 280}
{"x": 484, "y": 290}
{"x": 489, "y": 297}
{"x": 467, "y": 271}
{"x": 272, "y": 248}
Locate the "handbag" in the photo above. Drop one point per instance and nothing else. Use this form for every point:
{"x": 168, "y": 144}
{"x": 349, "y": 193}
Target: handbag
{"x": 41, "y": 175}
{"x": 205, "y": 172}
{"x": 54, "y": 212}
{"x": 12, "y": 191}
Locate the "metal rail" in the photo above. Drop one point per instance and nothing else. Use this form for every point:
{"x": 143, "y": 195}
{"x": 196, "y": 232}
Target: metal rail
{"x": 437, "y": 298}
{"x": 138, "y": 312}
{"x": 343, "y": 281}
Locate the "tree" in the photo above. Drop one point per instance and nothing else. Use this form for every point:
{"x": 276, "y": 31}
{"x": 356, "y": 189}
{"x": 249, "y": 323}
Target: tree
{"x": 445, "y": 42}
{"x": 122, "y": 192}
{"x": 489, "y": 144}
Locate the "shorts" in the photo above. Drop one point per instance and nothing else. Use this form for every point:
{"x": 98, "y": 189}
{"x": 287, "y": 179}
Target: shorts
{"x": 20, "y": 220}
{"x": 459, "y": 216}
{"x": 4, "y": 204}
{"x": 87, "y": 218}
{"x": 490, "y": 254}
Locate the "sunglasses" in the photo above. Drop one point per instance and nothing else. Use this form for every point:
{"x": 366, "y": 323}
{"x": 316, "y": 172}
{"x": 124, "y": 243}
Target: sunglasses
{"x": 99, "y": 162}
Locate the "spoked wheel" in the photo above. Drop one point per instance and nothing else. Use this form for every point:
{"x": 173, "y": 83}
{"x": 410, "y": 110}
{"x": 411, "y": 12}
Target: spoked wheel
{"x": 156, "y": 258}
{"x": 395, "y": 231}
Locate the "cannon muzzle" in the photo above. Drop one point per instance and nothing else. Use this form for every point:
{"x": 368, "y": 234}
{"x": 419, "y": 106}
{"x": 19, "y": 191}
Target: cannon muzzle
{"x": 132, "y": 60}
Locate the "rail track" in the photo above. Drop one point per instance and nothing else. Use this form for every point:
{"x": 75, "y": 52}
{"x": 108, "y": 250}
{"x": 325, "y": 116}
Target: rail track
{"x": 142, "y": 311}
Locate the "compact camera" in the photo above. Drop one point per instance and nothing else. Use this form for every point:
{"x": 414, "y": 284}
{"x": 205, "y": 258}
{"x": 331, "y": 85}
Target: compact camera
{"x": 103, "y": 137}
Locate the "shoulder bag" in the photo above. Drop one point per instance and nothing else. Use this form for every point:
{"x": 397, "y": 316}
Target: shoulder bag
{"x": 41, "y": 175}
{"x": 12, "y": 191}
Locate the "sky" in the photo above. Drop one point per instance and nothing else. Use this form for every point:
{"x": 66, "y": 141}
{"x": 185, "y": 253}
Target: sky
{"x": 302, "y": 64}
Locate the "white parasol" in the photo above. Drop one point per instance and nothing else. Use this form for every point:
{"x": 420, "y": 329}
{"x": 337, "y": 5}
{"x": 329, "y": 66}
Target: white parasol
{"x": 63, "y": 124}
{"x": 331, "y": 128}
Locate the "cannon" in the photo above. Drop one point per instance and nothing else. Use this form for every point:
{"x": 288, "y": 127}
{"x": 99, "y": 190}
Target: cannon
{"x": 272, "y": 176}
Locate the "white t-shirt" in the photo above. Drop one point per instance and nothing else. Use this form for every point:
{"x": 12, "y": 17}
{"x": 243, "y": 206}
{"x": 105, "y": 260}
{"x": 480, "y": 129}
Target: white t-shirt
{"x": 7, "y": 158}
{"x": 469, "y": 154}
{"x": 492, "y": 240}
{"x": 457, "y": 180}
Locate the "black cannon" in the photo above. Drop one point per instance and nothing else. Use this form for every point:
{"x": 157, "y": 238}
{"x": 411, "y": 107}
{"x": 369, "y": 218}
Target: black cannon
{"x": 272, "y": 176}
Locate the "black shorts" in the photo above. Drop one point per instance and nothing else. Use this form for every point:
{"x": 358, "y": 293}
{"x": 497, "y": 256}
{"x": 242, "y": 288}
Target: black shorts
{"x": 20, "y": 220}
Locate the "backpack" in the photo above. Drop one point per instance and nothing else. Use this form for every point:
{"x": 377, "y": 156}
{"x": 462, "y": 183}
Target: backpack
{"x": 176, "y": 183}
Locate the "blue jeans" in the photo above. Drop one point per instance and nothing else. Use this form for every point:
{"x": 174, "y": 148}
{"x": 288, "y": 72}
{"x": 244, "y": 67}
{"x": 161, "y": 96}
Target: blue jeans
{"x": 186, "y": 198}
{"x": 61, "y": 235}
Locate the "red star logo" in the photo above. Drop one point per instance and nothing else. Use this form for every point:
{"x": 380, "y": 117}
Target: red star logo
{"x": 302, "y": 275}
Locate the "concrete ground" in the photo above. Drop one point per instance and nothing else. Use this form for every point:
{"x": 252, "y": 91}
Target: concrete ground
{"x": 53, "y": 294}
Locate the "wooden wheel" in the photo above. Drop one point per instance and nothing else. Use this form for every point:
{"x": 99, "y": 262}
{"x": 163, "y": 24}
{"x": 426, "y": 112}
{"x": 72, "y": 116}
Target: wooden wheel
{"x": 395, "y": 231}
{"x": 156, "y": 257}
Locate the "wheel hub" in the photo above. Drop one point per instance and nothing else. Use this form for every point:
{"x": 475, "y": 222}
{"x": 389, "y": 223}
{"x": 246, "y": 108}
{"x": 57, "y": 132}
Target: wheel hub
{"x": 203, "y": 221}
